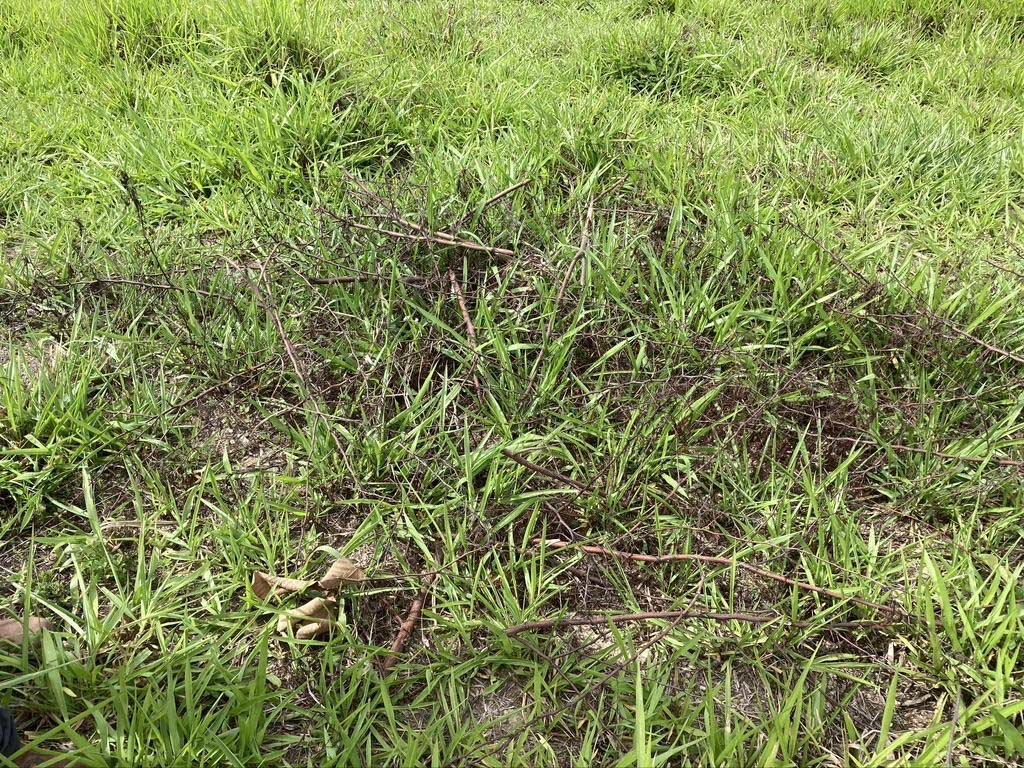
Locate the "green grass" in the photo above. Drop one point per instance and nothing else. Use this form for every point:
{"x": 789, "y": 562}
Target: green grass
{"x": 766, "y": 303}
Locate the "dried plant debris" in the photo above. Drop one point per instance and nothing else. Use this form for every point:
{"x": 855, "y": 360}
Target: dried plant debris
{"x": 16, "y": 630}
{"x": 309, "y": 619}
{"x": 316, "y": 616}
{"x": 341, "y": 572}
{"x": 265, "y": 586}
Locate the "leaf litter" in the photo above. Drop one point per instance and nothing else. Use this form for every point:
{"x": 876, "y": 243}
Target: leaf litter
{"x": 317, "y": 615}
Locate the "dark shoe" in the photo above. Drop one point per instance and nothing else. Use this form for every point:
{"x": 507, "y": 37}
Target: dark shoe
{"x": 9, "y": 742}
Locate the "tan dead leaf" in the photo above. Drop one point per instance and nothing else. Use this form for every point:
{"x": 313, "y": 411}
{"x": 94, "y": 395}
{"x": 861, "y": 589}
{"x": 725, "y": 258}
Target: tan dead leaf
{"x": 13, "y": 630}
{"x": 319, "y": 609}
{"x": 283, "y": 622}
{"x": 318, "y": 613}
{"x": 342, "y": 571}
{"x": 265, "y": 586}
{"x": 311, "y": 630}
{"x": 261, "y": 585}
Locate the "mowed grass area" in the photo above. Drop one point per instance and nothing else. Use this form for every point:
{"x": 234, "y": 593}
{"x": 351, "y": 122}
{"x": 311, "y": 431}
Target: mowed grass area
{"x": 432, "y": 284}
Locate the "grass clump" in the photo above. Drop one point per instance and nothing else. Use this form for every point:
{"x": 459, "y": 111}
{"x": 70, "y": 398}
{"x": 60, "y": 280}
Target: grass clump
{"x": 54, "y": 427}
{"x": 664, "y": 62}
{"x": 149, "y": 35}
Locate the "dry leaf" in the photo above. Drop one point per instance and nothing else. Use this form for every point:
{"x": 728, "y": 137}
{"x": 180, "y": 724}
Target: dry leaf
{"x": 309, "y": 631}
{"x": 283, "y": 622}
{"x": 261, "y": 586}
{"x": 264, "y": 585}
{"x": 318, "y": 609}
{"x": 313, "y": 618}
{"x": 342, "y": 571}
{"x": 13, "y": 630}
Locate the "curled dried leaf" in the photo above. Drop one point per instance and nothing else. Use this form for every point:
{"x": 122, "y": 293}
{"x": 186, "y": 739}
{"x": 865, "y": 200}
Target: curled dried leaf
{"x": 283, "y": 622}
{"x": 311, "y": 630}
{"x": 342, "y": 571}
{"x": 261, "y": 586}
{"x": 14, "y": 630}
{"x": 318, "y": 613}
{"x": 318, "y": 609}
{"x": 265, "y": 586}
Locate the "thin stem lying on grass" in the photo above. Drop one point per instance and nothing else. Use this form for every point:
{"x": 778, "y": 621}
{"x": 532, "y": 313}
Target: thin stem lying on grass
{"x": 419, "y": 234}
{"x": 470, "y": 331}
{"x": 944, "y": 321}
{"x": 511, "y": 188}
{"x": 297, "y": 365}
{"x": 549, "y": 473}
{"x": 632, "y": 618}
{"x": 713, "y": 560}
{"x": 139, "y": 283}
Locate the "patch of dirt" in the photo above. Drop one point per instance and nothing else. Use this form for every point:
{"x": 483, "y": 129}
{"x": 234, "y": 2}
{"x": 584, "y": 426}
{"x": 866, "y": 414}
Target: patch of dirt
{"x": 234, "y": 428}
{"x": 500, "y": 708}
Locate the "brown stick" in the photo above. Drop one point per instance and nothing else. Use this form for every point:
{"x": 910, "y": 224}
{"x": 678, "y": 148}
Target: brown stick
{"x": 1004, "y": 268}
{"x": 422, "y": 233}
{"x": 266, "y": 301}
{"x": 504, "y": 193}
{"x": 149, "y": 285}
{"x": 588, "y": 226}
{"x": 337, "y": 280}
{"x": 580, "y": 253}
{"x": 627, "y": 618}
{"x": 1001, "y": 461}
{"x": 470, "y": 330}
{"x": 220, "y": 384}
{"x": 438, "y": 238}
{"x": 549, "y": 473}
{"x": 998, "y": 351}
{"x": 363, "y": 277}
{"x": 407, "y": 626}
{"x": 723, "y": 561}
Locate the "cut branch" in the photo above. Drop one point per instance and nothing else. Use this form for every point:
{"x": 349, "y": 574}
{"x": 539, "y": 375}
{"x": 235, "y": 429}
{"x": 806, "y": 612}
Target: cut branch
{"x": 470, "y": 330}
{"x": 460, "y": 296}
{"x": 922, "y": 305}
{"x": 267, "y": 302}
{"x": 504, "y": 193}
{"x": 1000, "y": 461}
{"x": 137, "y": 283}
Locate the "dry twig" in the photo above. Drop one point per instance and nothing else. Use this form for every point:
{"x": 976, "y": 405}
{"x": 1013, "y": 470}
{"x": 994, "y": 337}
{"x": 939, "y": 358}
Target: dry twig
{"x": 407, "y": 626}
{"x": 549, "y": 473}
{"x": 266, "y": 301}
{"x": 470, "y": 330}
{"x": 630, "y": 618}
{"x": 420, "y": 234}
{"x": 949, "y": 324}
{"x": 723, "y": 561}
{"x": 504, "y": 193}
{"x": 138, "y": 283}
